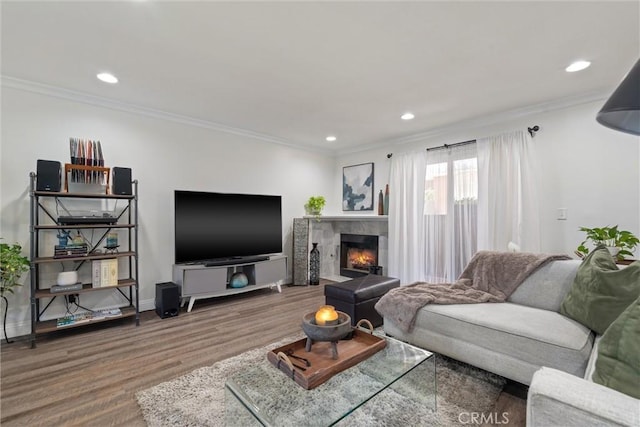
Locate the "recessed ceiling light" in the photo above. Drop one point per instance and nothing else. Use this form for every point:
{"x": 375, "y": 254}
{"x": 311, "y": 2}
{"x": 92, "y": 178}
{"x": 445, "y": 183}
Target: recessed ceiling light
{"x": 331, "y": 138}
{"x": 407, "y": 116}
{"x": 107, "y": 78}
{"x": 577, "y": 66}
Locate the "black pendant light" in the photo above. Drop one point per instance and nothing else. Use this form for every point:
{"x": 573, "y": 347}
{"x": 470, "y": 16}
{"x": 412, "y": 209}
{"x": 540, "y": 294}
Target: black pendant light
{"x": 622, "y": 110}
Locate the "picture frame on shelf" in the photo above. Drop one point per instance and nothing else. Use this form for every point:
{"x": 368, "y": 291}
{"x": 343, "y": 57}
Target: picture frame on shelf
{"x": 357, "y": 187}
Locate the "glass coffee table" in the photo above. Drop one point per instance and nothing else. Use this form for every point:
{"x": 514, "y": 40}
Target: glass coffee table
{"x": 264, "y": 395}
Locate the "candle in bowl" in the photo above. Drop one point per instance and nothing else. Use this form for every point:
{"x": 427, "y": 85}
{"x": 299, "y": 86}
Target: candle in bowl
{"x": 326, "y": 315}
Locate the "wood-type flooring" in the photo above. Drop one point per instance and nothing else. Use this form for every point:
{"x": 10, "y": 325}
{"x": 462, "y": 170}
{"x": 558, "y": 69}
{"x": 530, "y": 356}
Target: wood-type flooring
{"x": 89, "y": 376}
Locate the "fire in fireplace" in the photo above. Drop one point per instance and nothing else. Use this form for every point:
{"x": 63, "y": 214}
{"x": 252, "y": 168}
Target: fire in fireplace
{"x": 358, "y": 252}
{"x": 360, "y": 259}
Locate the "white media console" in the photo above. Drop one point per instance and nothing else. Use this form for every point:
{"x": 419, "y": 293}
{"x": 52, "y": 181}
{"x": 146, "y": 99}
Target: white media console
{"x": 197, "y": 281}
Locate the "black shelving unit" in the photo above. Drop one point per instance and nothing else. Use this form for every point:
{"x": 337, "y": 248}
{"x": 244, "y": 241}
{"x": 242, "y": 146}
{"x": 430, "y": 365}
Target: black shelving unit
{"x": 41, "y": 297}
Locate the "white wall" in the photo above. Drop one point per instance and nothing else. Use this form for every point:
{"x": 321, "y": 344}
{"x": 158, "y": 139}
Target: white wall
{"x": 163, "y": 155}
{"x": 585, "y": 167}
{"x": 592, "y": 171}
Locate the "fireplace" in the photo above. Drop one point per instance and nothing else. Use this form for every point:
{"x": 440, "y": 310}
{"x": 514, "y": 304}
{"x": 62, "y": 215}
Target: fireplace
{"x": 358, "y": 253}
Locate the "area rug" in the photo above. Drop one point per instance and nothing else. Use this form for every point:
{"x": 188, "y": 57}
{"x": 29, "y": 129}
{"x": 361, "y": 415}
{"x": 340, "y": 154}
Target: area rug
{"x": 198, "y": 398}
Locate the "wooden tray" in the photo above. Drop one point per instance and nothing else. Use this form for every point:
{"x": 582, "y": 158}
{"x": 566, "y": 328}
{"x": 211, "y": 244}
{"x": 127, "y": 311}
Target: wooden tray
{"x": 350, "y": 352}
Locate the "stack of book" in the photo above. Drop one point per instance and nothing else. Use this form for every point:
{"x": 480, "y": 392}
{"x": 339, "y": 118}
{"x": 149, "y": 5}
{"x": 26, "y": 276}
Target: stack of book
{"x": 74, "y": 319}
{"x": 70, "y": 251}
{"x": 87, "y": 316}
{"x": 109, "y": 312}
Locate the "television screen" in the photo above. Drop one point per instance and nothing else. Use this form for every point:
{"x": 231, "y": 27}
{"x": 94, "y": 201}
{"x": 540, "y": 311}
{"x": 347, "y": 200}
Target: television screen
{"x": 213, "y": 226}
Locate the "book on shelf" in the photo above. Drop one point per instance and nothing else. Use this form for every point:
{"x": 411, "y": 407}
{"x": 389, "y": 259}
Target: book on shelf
{"x": 74, "y": 319}
{"x": 87, "y": 316}
{"x": 64, "y": 321}
{"x": 108, "y": 269}
{"x": 96, "y": 273}
{"x": 109, "y": 312}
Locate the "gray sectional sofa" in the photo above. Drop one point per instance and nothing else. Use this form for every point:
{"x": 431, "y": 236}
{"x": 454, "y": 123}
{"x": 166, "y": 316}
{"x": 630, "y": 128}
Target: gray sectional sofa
{"x": 517, "y": 338}
{"x": 512, "y": 339}
{"x": 557, "y": 398}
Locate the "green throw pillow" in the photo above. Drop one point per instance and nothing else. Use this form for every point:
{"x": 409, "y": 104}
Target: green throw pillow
{"x": 618, "y": 362}
{"x": 601, "y": 291}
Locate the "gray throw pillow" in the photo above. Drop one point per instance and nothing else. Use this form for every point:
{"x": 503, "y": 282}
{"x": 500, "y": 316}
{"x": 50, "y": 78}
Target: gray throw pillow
{"x": 601, "y": 291}
{"x": 618, "y": 363}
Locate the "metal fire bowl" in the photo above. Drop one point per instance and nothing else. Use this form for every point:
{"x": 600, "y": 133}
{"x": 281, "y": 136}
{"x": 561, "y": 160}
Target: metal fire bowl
{"x": 326, "y": 333}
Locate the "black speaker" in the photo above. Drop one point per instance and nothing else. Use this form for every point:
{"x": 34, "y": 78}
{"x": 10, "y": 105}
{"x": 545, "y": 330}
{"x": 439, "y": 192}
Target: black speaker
{"x": 49, "y": 175}
{"x": 167, "y": 299}
{"x": 121, "y": 184}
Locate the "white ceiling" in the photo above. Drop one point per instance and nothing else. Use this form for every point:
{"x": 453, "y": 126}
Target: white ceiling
{"x": 295, "y": 72}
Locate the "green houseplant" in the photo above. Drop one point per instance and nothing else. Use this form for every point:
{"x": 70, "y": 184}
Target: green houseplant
{"x": 623, "y": 241}
{"x": 314, "y": 205}
{"x": 12, "y": 266}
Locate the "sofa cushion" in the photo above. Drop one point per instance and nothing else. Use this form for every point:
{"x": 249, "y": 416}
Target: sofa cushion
{"x": 601, "y": 291}
{"x": 618, "y": 363}
{"x": 591, "y": 365}
{"x": 547, "y": 287}
{"x": 539, "y": 337}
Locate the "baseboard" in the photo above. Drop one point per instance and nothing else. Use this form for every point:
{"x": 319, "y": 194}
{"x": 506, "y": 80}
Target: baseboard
{"x": 18, "y": 329}
{"x": 147, "y": 305}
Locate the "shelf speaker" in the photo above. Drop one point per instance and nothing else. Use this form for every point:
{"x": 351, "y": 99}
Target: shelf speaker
{"x": 167, "y": 299}
{"x": 121, "y": 181}
{"x": 49, "y": 175}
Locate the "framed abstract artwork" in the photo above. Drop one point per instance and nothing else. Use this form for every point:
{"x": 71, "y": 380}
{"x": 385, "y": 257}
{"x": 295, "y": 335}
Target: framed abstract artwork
{"x": 357, "y": 187}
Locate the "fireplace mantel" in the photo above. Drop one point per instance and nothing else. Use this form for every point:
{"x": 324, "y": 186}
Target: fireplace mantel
{"x": 322, "y": 218}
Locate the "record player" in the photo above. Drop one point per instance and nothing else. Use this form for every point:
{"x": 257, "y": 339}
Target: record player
{"x": 88, "y": 218}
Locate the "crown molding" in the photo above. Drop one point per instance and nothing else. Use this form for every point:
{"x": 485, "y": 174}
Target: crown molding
{"x": 483, "y": 121}
{"x": 474, "y": 123}
{"x": 85, "y": 98}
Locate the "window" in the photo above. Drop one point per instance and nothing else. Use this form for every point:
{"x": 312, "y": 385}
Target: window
{"x": 451, "y": 211}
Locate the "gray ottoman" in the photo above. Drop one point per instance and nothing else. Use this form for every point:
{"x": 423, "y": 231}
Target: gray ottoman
{"x": 358, "y": 296}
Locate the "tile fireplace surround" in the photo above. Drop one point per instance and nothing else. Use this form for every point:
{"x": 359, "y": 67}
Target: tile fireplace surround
{"x": 326, "y": 232}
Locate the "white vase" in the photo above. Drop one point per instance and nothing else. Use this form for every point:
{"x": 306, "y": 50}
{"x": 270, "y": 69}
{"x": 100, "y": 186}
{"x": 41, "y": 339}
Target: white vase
{"x": 613, "y": 250}
{"x": 67, "y": 278}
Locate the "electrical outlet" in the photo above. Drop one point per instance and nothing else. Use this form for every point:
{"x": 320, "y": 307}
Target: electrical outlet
{"x": 72, "y": 298}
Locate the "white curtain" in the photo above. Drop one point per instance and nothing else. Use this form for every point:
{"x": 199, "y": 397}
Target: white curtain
{"x": 451, "y": 198}
{"x": 508, "y": 200}
{"x": 406, "y": 217}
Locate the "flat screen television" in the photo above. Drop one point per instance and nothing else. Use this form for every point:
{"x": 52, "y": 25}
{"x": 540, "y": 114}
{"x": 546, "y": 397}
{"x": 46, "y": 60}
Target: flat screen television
{"x": 219, "y": 227}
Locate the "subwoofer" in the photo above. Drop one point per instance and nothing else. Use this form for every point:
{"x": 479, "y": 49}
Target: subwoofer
{"x": 49, "y": 175}
{"x": 121, "y": 181}
{"x": 167, "y": 299}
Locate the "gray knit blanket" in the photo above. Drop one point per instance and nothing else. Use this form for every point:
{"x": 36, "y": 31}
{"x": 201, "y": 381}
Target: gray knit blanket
{"x": 489, "y": 277}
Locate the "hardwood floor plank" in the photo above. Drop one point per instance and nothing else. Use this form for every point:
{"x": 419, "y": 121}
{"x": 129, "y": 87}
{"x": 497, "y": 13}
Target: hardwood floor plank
{"x": 89, "y": 376}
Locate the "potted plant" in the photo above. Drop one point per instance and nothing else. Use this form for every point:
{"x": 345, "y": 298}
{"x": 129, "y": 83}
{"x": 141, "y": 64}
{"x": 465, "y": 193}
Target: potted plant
{"x": 12, "y": 265}
{"x": 314, "y": 205}
{"x": 621, "y": 243}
